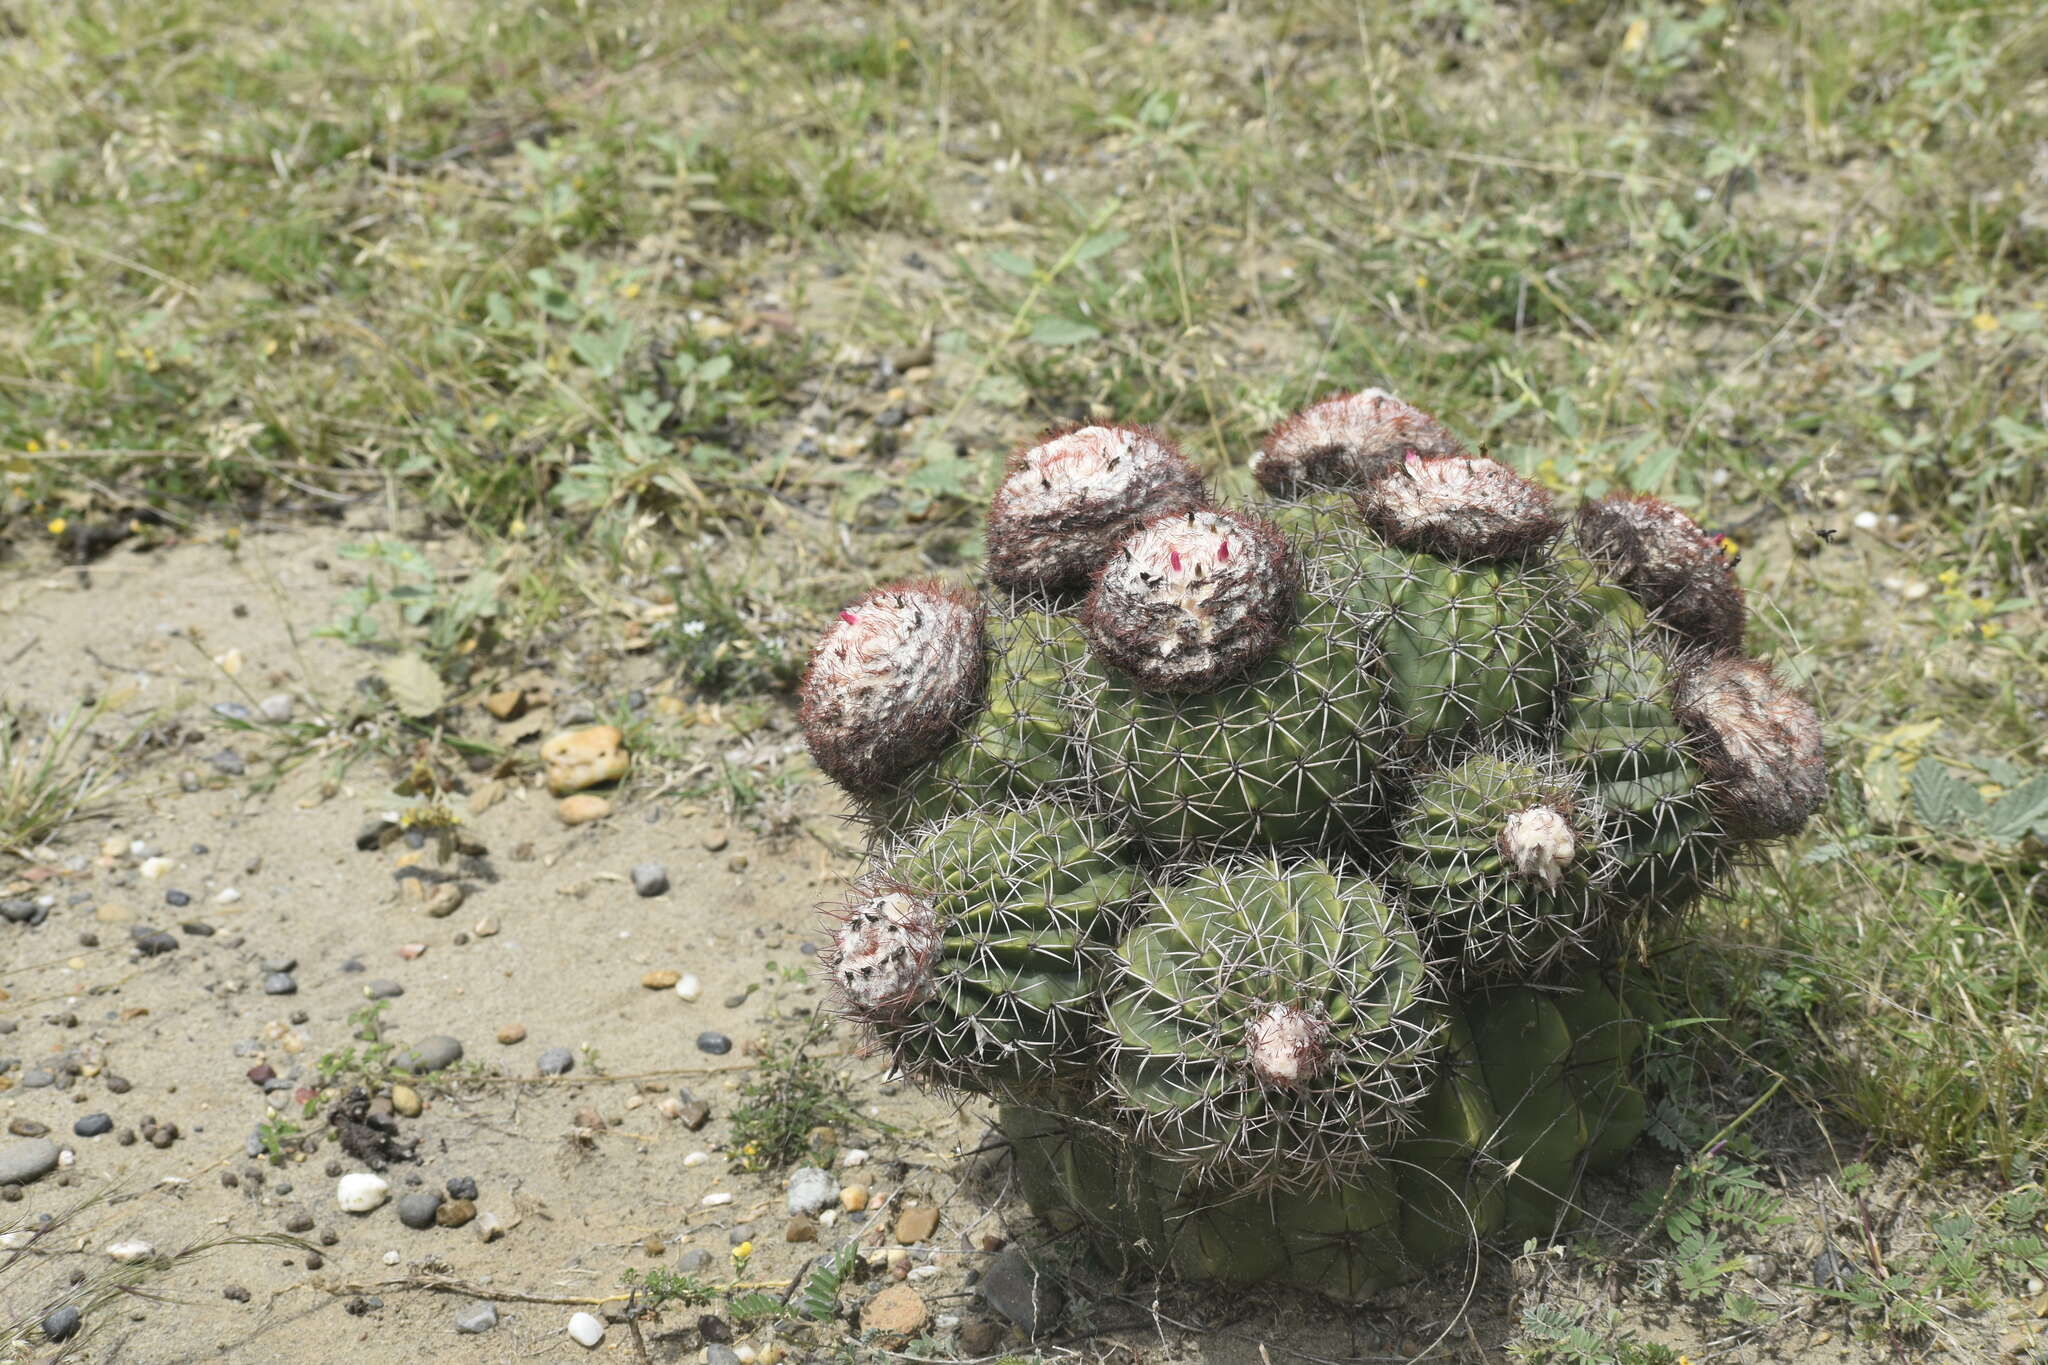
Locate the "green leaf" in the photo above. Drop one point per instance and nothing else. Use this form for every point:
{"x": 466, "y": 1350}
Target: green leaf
{"x": 1010, "y": 263}
{"x": 1944, "y": 802}
{"x": 1100, "y": 244}
{"x": 1057, "y": 331}
{"x": 1002, "y": 391}
{"x": 2020, "y": 812}
{"x": 415, "y": 687}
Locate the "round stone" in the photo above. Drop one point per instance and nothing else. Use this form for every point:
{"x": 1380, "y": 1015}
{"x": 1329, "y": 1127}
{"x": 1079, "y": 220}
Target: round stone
{"x": 556, "y": 1061}
{"x": 481, "y": 1318}
{"x": 715, "y": 1043}
{"x": 650, "y": 879}
{"x": 418, "y": 1210}
{"x": 586, "y": 1329}
{"x": 429, "y": 1054}
{"x": 360, "y": 1191}
{"x": 92, "y": 1125}
{"x": 62, "y": 1325}
{"x": 660, "y": 981}
{"x": 512, "y": 1033}
{"x": 280, "y": 983}
{"x": 27, "y": 1161}
{"x": 462, "y": 1187}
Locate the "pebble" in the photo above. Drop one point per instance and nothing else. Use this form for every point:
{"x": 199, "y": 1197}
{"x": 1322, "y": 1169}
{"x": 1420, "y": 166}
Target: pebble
{"x": 280, "y": 964}
{"x": 233, "y": 710}
{"x": 650, "y": 879}
{"x": 418, "y": 1210}
{"x": 696, "y": 1158}
{"x": 556, "y": 1061}
{"x": 1014, "y": 1287}
{"x": 131, "y": 1250}
{"x": 716, "y": 840}
{"x": 280, "y": 983}
{"x": 800, "y": 1230}
{"x": 381, "y": 989}
{"x": 455, "y": 1213}
{"x": 811, "y": 1190}
{"x": 688, "y": 987}
{"x": 478, "y": 1320}
{"x": 62, "y": 1325}
{"x": 853, "y": 1198}
{"x": 489, "y": 1227}
{"x": 718, "y": 1353}
{"x": 26, "y": 1127}
{"x": 198, "y": 928}
{"x": 301, "y": 1221}
{"x": 236, "y": 1293}
{"x": 429, "y": 1054}
{"x": 360, "y": 1191}
{"x": 35, "y": 1078}
{"x": 660, "y": 981}
{"x": 854, "y": 1156}
{"x": 715, "y": 1200}
{"x": 406, "y": 1101}
{"x": 228, "y": 896}
{"x": 585, "y": 1329}
{"x": 581, "y": 810}
{"x": 229, "y": 762}
{"x": 92, "y": 1125}
{"x": 176, "y": 899}
{"x": 584, "y": 758}
{"x": 153, "y": 942}
{"x": 462, "y": 1187}
{"x": 916, "y": 1225}
{"x": 693, "y": 1260}
{"x": 156, "y": 869}
{"x": 512, "y": 1033}
{"x": 27, "y": 1161}
{"x": 445, "y": 901}
{"x": 897, "y": 1310}
{"x": 717, "y": 1044}
{"x": 276, "y": 708}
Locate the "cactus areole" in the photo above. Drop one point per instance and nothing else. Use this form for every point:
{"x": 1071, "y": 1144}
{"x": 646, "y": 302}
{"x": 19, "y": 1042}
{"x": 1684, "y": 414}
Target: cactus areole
{"x": 1278, "y": 870}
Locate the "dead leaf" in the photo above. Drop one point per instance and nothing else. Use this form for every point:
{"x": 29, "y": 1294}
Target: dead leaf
{"x": 415, "y": 687}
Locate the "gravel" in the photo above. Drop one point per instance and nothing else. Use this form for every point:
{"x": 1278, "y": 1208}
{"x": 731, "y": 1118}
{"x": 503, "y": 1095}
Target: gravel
{"x": 717, "y": 1044}
{"x": 557, "y": 1061}
{"x": 382, "y": 989}
{"x": 462, "y": 1187}
{"x": 418, "y": 1210}
{"x": 93, "y": 1125}
{"x": 279, "y": 983}
{"x": 62, "y": 1325}
{"x": 477, "y": 1320}
{"x": 650, "y": 879}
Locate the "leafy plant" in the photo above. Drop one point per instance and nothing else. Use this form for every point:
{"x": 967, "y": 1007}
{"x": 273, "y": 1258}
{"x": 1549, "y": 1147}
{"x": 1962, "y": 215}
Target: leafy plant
{"x": 789, "y": 1094}
{"x": 51, "y": 778}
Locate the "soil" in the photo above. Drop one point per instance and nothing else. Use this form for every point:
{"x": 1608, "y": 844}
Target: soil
{"x": 585, "y": 1171}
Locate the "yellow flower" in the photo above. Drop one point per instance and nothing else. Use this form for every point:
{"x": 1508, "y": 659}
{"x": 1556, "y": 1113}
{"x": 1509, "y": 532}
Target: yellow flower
{"x": 57, "y": 525}
{"x": 1989, "y": 629}
{"x": 1984, "y": 322}
{"x": 33, "y": 446}
{"x": 742, "y": 1251}
{"x": 1948, "y": 578}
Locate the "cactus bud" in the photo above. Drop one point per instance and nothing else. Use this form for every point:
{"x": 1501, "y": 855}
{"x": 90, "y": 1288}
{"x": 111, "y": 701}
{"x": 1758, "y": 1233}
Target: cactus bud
{"x": 1677, "y": 571}
{"x": 1288, "y": 1047}
{"x": 1538, "y": 844}
{"x": 891, "y": 682}
{"x": 882, "y": 951}
{"x": 1192, "y": 601}
{"x": 1069, "y": 499}
{"x": 1759, "y": 742}
{"x": 1457, "y": 506}
{"x": 1344, "y": 440}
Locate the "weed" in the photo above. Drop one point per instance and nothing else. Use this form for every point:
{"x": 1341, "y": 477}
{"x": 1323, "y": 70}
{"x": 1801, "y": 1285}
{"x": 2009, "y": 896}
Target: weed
{"x": 789, "y": 1095}
{"x": 51, "y": 778}
{"x": 368, "y": 1067}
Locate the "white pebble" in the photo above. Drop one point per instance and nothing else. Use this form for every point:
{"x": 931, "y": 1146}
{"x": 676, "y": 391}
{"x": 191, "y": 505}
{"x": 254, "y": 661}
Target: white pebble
{"x": 227, "y": 896}
{"x": 925, "y": 1272}
{"x": 155, "y": 869}
{"x": 828, "y": 1218}
{"x": 854, "y": 1156}
{"x": 585, "y": 1329}
{"x": 130, "y": 1251}
{"x": 946, "y": 1322}
{"x": 1864, "y": 521}
{"x": 16, "y": 1240}
{"x": 712, "y": 1201}
{"x": 689, "y": 987}
{"x": 138, "y": 848}
{"x": 360, "y": 1191}
{"x": 696, "y": 1158}
{"x": 744, "y": 1354}
{"x": 391, "y": 1257}
{"x": 66, "y": 1157}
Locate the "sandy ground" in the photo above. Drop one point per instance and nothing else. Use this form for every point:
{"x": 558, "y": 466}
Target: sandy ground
{"x": 585, "y": 1171}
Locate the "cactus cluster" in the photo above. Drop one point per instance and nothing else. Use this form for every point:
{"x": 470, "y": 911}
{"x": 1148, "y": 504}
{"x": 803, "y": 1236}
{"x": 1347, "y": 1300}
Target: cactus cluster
{"x": 1274, "y": 868}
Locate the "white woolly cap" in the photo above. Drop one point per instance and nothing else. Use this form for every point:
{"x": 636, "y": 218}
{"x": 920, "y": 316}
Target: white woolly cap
{"x": 1287, "y": 1046}
{"x": 1538, "y": 843}
{"x": 1341, "y": 440}
{"x": 1070, "y": 499}
{"x": 882, "y": 952}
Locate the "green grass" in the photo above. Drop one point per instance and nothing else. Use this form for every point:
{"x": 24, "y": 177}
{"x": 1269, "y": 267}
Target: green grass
{"x": 619, "y": 290}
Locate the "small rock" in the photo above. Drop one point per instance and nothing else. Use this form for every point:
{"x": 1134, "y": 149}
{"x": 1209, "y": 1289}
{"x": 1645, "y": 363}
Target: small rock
{"x": 131, "y": 1250}
{"x": 980, "y": 1337}
{"x": 584, "y": 758}
{"x": 418, "y": 1210}
{"x": 916, "y": 1225}
{"x": 109, "y": 913}
{"x": 280, "y": 983}
{"x": 235, "y": 1293}
{"x": 454, "y": 1213}
{"x": 461, "y": 1187}
{"x": 382, "y": 989}
{"x": 154, "y": 942}
{"x": 811, "y": 1191}
{"x": 478, "y": 1320}
{"x": 429, "y": 1054}
{"x": 585, "y": 1329}
{"x": 300, "y": 1221}
{"x": 718, "y": 1353}
{"x": 35, "y": 1078}
{"x": 692, "y": 1114}
{"x": 276, "y": 708}
{"x": 800, "y": 1230}
{"x": 178, "y": 900}
{"x": 897, "y": 1310}
{"x": 156, "y": 869}
{"x": 26, "y": 1127}
{"x": 736, "y": 863}
{"x": 688, "y": 987}
{"x": 509, "y": 704}
{"x": 716, "y": 840}
{"x": 446, "y": 900}
{"x": 360, "y": 1191}
{"x": 62, "y": 1325}
{"x": 660, "y": 981}
{"x": 1013, "y": 1287}
{"x": 93, "y": 1125}
{"x": 489, "y": 1227}
{"x": 650, "y": 879}
{"x": 853, "y": 1198}
{"x": 229, "y": 762}
{"x": 556, "y": 1061}
{"x": 405, "y": 1101}
{"x": 280, "y": 964}
{"x": 27, "y": 1161}
{"x": 589, "y": 1120}
{"x": 581, "y": 810}
{"x": 118, "y": 1085}
{"x": 485, "y": 927}
{"x": 512, "y": 1033}
{"x": 717, "y": 1044}
{"x": 233, "y": 710}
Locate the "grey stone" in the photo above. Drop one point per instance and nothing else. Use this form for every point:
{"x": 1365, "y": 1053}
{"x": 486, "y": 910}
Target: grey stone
{"x": 650, "y": 879}
{"x": 276, "y": 708}
{"x": 280, "y": 964}
{"x": 20, "y": 912}
{"x": 26, "y": 1161}
{"x": 693, "y": 1260}
{"x": 92, "y": 1125}
{"x": 717, "y": 1044}
{"x": 62, "y": 1325}
{"x": 154, "y": 942}
{"x": 557, "y": 1061}
{"x": 229, "y": 762}
{"x": 418, "y": 1210}
{"x": 429, "y": 1054}
{"x": 462, "y": 1187}
{"x": 280, "y": 983}
{"x": 812, "y": 1191}
{"x": 718, "y": 1353}
{"x": 481, "y": 1318}
{"x": 1015, "y": 1288}
{"x": 381, "y": 989}
{"x": 35, "y": 1078}
{"x": 233, "y": 710}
